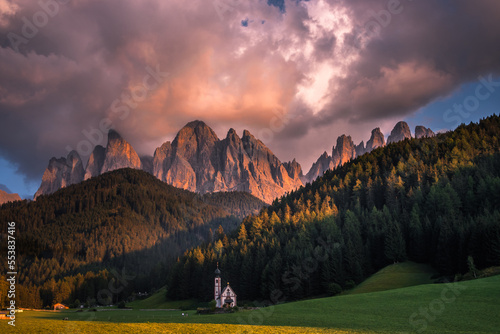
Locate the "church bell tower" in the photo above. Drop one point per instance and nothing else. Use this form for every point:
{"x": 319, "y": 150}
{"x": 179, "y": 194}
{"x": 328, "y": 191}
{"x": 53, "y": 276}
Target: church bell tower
{"x": 218, "y": 288}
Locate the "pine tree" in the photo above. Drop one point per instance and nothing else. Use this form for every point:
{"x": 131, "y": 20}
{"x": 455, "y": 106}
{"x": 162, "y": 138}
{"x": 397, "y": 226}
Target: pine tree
{"x": 394, "y": 244}
{"x": 353, "y": 253}
{"x": 416, "y": 239}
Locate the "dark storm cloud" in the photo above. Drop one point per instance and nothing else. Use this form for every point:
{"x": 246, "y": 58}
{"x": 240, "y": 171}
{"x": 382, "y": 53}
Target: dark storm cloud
{"x": 63, "y": 79}
{"x": 426, "y": 51}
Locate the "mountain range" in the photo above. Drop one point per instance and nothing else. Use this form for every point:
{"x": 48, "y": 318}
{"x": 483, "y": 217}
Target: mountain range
{"x": 197, "y": 160}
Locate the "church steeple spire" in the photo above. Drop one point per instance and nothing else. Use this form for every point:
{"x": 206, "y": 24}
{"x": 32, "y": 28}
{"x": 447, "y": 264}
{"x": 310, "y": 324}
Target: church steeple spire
{"x": 218, "y": 287}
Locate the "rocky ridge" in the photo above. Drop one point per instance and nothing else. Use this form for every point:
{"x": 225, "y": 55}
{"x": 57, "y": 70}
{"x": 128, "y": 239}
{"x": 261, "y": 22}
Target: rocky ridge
{"x": 346, "y": 149}
{"x": 197, "y": 160}
{"x": 6, "y": 197}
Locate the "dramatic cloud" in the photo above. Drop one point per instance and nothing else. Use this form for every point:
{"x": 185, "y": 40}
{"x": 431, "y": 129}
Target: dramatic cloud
{"x": 296, "y": 73}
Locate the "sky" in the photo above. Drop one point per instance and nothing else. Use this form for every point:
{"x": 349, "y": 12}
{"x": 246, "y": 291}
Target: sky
{"x": 296, "y": 74}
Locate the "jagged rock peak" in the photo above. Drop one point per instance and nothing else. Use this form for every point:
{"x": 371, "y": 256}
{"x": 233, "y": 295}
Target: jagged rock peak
{"x": 377, "y": 140}
{"x": 119, "y": 154}
{"x": 324, "y": 163}
{"x": 196, "y": 124}
{"x": 423, "y": 132}
{"x": 194, "y": 136}
{"x": 199, "y": 127}
{"x": 344, "y": 141}
{"x": 247, "y": 135}
{"x": 61, "y": 173}
{"x": 293, "y": 169}
{"x": 232, "y": 135}
{"x": 344, "y": 151}
{"x": 198, "y": 161}
{"x": 400, "y": 132}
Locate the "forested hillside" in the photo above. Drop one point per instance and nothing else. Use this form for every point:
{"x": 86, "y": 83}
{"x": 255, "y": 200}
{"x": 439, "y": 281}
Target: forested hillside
{"x": 433, "y": 200}
{"x": 68, "y": 243}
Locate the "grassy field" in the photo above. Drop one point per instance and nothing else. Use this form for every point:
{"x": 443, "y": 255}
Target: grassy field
{"x": 32, "y": 325}
{"x": 465, "y": 307}
{"x": 157, "y": 301}
{"x": 395, "y": 276}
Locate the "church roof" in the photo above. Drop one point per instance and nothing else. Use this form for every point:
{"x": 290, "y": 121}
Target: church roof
{"x": 228, "y": 287}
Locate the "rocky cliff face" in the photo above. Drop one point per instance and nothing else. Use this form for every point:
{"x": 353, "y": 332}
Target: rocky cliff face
{"x": 186, "y": 162}
{"x": 61, "y": 173}
{"x": 360, "y": 149}
{"x": 119, "y": 154}
{"x": 318, "y": 168}
{"x": 423, "y": 132}
{"x": 66, "y": 171}
{"x": 400, "y": 132}
{"x": 6, "y": 197}
{"x": 344, "y": 151}
{"x": 96, "y": 160}
{"x": 198, "y": 161}
{"x": 294, "y": 169}
{"x": 376, "y": 140}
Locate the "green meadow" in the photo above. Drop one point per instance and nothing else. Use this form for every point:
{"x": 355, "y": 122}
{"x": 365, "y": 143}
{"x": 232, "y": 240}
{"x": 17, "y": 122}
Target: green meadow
{"x": 463, "y": 307}
{"x": 395, "y": 276}
{"x": 157, "y": 301}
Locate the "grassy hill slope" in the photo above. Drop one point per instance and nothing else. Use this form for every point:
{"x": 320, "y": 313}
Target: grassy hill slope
{"x": 395, "y": 276}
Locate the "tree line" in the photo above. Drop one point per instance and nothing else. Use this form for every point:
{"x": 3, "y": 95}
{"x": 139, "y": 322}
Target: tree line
{"x": 433, "y": 200}
{"x": 70, "y": 243}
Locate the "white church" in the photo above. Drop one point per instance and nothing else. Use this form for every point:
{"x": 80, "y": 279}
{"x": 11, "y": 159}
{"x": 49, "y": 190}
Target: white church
{"x": 226, "y": 297}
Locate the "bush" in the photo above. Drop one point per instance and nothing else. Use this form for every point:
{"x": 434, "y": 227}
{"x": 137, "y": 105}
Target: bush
{"x": 334, "y": 289}
{"x": 201, "y": 310}
{"x": 122, "y": 304}
{"x": 212, "y": 305}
